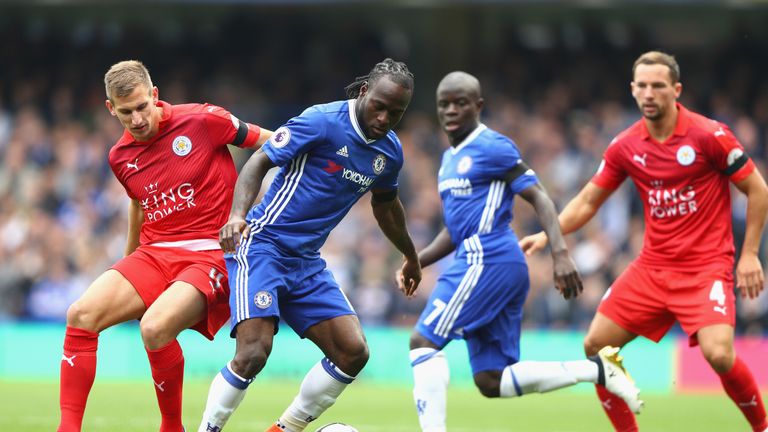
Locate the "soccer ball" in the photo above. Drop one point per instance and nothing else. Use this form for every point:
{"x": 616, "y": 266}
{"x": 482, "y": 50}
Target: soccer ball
{"x": 337, "y": 427}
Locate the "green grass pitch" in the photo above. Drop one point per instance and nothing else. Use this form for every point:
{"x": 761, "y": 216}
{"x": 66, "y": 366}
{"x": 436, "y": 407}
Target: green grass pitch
{"x": 130, "y": 406}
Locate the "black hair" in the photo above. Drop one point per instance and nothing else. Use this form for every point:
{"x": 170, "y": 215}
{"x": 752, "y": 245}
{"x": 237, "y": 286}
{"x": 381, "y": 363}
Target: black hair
{"x": 396, "y": 71}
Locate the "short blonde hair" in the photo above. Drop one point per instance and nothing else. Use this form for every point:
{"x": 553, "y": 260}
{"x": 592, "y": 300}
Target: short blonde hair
{"x": 662, "y": 58}
{"x": 122, "y": 78}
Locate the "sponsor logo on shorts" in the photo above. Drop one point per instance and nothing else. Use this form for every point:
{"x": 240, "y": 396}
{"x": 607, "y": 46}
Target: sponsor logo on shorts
{"x": 262, "y": 299}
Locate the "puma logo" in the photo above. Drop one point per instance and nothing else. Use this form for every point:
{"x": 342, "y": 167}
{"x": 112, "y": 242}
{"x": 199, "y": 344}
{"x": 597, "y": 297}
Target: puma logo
{"x": 753, "y": 402}
{"x": 640, "y": 160}
{"x": 69, "y": 360}
{"x": 720, "y": 309}
{"x": 134, "y": 165}
{"x": 159, "y": 386}
{"x": 720, "y": 132}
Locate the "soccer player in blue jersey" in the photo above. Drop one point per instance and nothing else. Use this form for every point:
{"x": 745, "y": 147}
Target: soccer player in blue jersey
{"x": 330, "y": 156}
{"x": 480, "y": 297}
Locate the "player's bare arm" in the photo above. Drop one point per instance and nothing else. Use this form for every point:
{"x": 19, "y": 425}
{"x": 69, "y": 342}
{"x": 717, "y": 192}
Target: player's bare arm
{"x": 575, "y": 215}
{"x": 264, "y": 135}
{"x": 246, "y": 189}
{"x": 135, "y": 219}
{"x": 566, "y": 276}
{"x": 390, "y": 215}
{"x": 749, "y": 271}
{"x": 441, "y": 246}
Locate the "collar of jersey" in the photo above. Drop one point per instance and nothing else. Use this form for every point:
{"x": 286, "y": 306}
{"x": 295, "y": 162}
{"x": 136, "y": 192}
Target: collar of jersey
{"x": 471, "y": 137}
{"x": 681, "y": 127}
{"x": 353, "y": 119}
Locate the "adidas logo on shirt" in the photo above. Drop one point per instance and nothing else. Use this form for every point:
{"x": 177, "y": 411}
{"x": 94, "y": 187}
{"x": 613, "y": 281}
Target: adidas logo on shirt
{"x": 343, "y": 152}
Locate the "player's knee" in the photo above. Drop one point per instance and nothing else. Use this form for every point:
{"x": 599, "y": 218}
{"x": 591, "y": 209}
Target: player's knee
{"x": 82, "y": 317}
{"x": 488, "y": 385}
{"x": 721, "y": 358}
{"x": 155, "y": 334}
{"x": 591, "y": 345}
{"x": 250, "y": 359}
{"x": 419, "y": 341}
{"x": 354, "y": 358}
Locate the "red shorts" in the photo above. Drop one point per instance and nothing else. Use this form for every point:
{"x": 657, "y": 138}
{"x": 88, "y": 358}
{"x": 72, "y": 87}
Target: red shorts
{"x": 151, "y": 270}
{"x": 647, "y": 302}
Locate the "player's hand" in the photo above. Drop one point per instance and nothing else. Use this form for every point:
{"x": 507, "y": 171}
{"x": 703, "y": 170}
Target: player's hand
{"x": 409, "y": 277}
{"x": 749, "y": 276}
{"x": 533, "y": 243}
{"x": 231, "y": 233}
{"x": 567, "y": 277}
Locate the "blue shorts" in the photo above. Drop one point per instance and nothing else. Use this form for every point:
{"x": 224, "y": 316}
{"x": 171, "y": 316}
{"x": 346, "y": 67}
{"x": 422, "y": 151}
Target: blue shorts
{"x": 482, "y": 304}
{"x": 264, "y": 283}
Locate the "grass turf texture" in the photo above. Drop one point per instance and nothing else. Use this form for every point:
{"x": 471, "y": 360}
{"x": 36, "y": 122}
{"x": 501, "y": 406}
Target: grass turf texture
{"x": 131, "y": 406}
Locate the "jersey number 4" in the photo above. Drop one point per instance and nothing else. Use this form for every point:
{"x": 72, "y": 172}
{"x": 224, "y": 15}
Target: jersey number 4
{"x": 717, "y": 294}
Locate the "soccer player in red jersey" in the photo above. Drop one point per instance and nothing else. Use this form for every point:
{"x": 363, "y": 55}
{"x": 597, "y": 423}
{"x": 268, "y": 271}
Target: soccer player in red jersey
{"x": 175, "y": 166}
{"x": 681, "y": 164}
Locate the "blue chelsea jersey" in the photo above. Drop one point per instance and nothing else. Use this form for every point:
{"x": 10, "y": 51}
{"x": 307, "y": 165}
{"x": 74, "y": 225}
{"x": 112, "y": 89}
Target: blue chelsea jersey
{"x": 327, "y": 164}
{"x": 477, "y": 201}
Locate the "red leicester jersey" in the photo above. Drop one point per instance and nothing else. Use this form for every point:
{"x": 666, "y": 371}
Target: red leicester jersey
{"x": 184, "y": 176}
{"x": 683, "y": 183}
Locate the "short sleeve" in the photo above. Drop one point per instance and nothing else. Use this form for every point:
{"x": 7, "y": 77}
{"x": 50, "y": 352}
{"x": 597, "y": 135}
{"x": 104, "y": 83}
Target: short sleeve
{"x": 300, "y": 135}
{"x": 506, "y": 158}
{"x": 523, "y": 181}
{"x": 728, "y": 155}
{"x": 610, "y": 174}
{"x": 224, "y": 128}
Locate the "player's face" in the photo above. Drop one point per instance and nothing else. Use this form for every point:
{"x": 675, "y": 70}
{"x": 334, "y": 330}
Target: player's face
{"x": 458, "y": 111}
{"x": 137, "y": 112}
{"x": 654, "y": 90}
{"x": 381, "y": 106}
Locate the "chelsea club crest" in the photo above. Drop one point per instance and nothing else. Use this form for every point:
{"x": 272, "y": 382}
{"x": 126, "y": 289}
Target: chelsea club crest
{"x": 262, "y": 299}
{"x": 379, "y": 163}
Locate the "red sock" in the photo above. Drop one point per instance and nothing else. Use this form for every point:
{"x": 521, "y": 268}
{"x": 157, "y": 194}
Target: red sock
{"x": 78, "y": 369}
{"x": 622, "y": 419}
{"x": 167, "y": 364}
{"x": 742, "y": 389}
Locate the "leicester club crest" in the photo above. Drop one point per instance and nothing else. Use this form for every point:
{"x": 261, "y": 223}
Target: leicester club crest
{"x": 379, "y": 163}
{"x": 182, "y": 145}
{"x": 686, "y": 155}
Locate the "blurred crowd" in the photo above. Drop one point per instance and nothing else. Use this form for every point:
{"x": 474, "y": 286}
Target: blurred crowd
{"x": 63, "y": 216}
